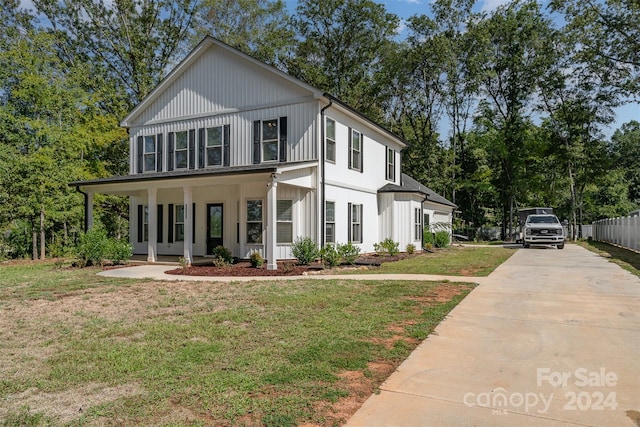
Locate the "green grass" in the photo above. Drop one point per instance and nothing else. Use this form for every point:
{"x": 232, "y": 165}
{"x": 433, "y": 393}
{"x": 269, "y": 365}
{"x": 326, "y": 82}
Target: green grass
{"x": 451, "y": 261}
{"x": 625, "y": 258}
{"x": 258, "y": 353}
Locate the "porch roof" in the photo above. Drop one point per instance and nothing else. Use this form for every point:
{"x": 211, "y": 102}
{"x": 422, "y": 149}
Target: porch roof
{"x": 192, "y": 173}
{"x": 410, "y": 185}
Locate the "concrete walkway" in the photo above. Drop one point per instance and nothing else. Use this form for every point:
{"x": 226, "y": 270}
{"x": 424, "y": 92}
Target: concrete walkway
{"x": 551, "y": 338}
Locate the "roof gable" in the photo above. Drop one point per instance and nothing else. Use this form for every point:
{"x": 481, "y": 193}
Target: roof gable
{"x": 216, "y": 78}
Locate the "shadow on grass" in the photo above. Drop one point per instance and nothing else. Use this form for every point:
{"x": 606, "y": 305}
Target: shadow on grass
{"x": 629, "y": 260}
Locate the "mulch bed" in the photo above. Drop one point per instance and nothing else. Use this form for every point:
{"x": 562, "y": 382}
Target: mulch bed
{"x": 286, "y": 268}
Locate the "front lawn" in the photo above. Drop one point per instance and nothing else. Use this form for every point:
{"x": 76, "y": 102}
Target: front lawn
{"x": 78, "y": 349}
{"x": 478, "y": 261}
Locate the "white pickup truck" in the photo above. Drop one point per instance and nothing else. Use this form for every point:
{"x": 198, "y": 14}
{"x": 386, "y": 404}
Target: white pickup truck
{"x": 543, "y": 230}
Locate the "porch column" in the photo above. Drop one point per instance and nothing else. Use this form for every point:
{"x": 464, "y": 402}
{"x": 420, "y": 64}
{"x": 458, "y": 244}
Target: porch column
{"x": 188, "y": 224}
{"x": 88, "y": 213}
{"x": 271, "y": 244}
{"x": 152, "y": 242}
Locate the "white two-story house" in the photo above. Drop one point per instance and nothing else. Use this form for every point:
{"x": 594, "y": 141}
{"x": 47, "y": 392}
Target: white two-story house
{"x": 229, "y": 151}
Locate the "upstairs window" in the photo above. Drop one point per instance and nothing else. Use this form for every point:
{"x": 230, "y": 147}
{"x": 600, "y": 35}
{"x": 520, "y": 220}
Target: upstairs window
{"x": 214, "y": 146}
{"x": 330, "y": 222}
{"x": 270, "y": 140}
{"x": 181, "y": 152}
{"x": 391, "y": 164}
{"x": 355, "y": 150}
{"x": 150, "y": 153}
{"x": 330, "y": 142}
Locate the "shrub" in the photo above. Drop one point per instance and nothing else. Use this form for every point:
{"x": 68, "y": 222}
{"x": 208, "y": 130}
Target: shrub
{"x": 411, "y": 248}
{"x": 428, "y": 237}
{"x": 94, "y": 248}
{"x": 441, "y": 239}
{"x": 305, "y": 250}
{"x": 348, "y": 252}
{"x": 221, "y": 256}
{"x": 387, "y": 247}
{"x": 256, "y": 260}
{"x": 119, "y": 251}
{"x": 184, "y": 264}
{"x": 330, "y": 255}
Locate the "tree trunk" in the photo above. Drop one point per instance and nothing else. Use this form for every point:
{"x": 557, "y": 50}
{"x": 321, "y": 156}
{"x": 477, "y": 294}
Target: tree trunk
{"x": 34, "y": 240}
{"x": 65, "y": 240}
{"x": 42, "y": 234}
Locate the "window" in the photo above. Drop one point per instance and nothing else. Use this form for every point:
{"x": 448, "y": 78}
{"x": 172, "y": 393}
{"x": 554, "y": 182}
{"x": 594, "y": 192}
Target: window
{"x": 214, "y": 146}
{"x": 417, "y": 224}
{"x": 181, "y": 150}
{"x": 284, "y": 218}
{"x": 179, "y": 224}
{"x": 356, "y": 224}
{"x": 426, "y": 221}
{"x": 150, "y": 153}
{"x": 355, "y": 151}
{"x": 269, "y": 140}
{"x": 330, "y": 222}
{"x": 254, "y": 221}
{"x": 145, "y": 235}
{"x": 330, "y": 135}
{"x": 391, "y": 164}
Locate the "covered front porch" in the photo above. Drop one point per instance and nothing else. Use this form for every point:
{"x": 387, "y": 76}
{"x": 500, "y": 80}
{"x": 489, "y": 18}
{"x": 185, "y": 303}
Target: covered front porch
{"x": 186, "y": 214}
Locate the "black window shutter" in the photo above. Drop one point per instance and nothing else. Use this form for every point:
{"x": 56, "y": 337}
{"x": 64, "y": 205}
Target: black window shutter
{"x": 201, "y": 144}
{"x": 140, "y": 222}
{"x": 170, "y": 229}
{"x": 192, "y": 149}
{"x": 361, "y": 152}
{"x": 159, "y": 146}
{"x": 256, "y": 142}
{"x": 172, "y": 138}
{"x": 348, "y": 222}
{"x": 283, "y": 139}
{"x": 226, "y": 144}
{"x": 140, "y": 154}
{"x": 193, "y": 222}
{"x": 350, "y": 152}
{"x": 160, "y": 222}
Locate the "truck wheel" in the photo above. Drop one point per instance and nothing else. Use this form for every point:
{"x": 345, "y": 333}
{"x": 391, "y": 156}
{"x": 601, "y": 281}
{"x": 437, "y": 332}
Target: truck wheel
{"x": 561, "y": 246}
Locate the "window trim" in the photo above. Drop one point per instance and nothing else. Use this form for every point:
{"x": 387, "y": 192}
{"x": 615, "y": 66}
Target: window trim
{"x": 207, "y": 146}
{"x": 330, "y": 141}
{"x": 353, "y": 151}
{"x": 391, "y": 164}
{"x": 355, "y": 220}
{"x": 146, "y": 153}
{"x": 247, "y": 222}
{"x": 331, "y": 222}
{"x": 417, "y": 222}
{"x": 287, "y": 222}
{"x": 275, "y": 141}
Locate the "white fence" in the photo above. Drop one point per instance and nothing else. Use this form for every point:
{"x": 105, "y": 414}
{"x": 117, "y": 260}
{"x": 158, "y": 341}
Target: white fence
{"x": 623, "y": 232}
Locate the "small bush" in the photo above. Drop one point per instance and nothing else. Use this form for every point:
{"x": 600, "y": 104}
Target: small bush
{"x": 348, "y": 252}
{"x": 119, "y": 251}
{"x": 94, "y": 248}
{"x": 330, "y": 255}
{"x": 428, "y": 247}
{"x": 441, "y": 239}
{"x": 387, "y": 247}
{"x": 411, "y": 248}
{"x": 221, "y": 256}
{"x": 305, "y": 250}
{"x": 427, "y": 237}
{"x": 256, "y": 260}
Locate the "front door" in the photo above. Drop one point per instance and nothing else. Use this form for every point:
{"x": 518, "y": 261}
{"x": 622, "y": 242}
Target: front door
{"x": 214, "y": 226}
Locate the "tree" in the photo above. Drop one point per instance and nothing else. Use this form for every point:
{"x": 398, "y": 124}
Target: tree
{"x": 625, "y": 149}
{"x": 342, "y": 43}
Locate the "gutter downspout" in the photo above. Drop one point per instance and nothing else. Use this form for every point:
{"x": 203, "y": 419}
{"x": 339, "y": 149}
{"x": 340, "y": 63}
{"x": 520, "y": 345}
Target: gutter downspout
{"x": 86, "y": 208}
{"x": 322, "y": 174}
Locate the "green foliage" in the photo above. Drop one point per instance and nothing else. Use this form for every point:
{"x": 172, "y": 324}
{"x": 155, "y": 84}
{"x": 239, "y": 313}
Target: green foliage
{"x": 221, "y": 256}
{"x": 305, "y": 250}
{"x": 256, "y": 260}
{"x": 387, "y": 247}
{"x": 330, "y": 255}
{"x": 95, "y": 247}
{"x": 441, "y": 239}
{"x": 184, "y": 264}
{"x": 410, "y": 249}
{"x": 428, "y": 237}
{"x": 348, "y": 252}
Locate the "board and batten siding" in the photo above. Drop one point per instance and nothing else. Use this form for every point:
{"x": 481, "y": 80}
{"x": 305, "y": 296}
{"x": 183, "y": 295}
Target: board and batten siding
{"x": 218, "y": 81}
{"x": 301, "y": 133}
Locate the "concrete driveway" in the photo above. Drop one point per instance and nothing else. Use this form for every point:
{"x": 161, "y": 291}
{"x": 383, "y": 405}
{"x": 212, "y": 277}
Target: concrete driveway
{"x": 551, "y": 338}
